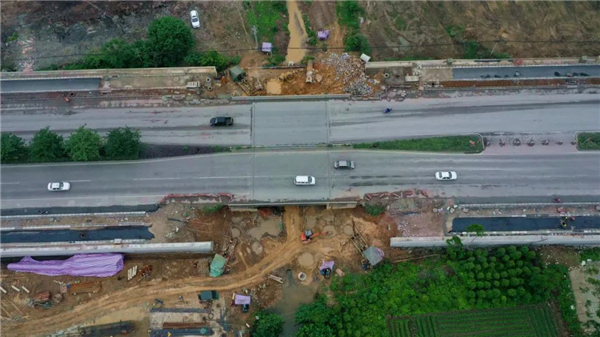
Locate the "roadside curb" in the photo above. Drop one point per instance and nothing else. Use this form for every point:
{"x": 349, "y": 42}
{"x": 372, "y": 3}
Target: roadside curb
{"x": 288, "y": 98}
{"x": 533, "y": 204}
{"x": 34, "y": 216}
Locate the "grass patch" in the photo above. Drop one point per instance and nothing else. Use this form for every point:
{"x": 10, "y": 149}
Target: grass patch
{"x": 588, "y": 141}
{"x": 436, "y": 144}
{"x": 374, "y": 210}
{"x": 210, "y": 210}
{"x": 265, "y": 15}
{"x": 590, "y": 254}
{"x": 400, "y": 24}
{"x": 312, "y": 35}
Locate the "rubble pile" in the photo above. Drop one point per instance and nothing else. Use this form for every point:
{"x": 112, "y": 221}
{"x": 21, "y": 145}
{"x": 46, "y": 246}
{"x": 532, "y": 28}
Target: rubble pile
{"x": 350, "y": 71}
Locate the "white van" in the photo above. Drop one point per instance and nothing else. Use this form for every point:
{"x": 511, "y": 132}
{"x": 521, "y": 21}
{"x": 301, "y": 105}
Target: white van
{"x": 304, "y": 180}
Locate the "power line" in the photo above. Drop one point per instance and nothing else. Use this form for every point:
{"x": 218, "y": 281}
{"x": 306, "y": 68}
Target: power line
{"x": 342, "y": 47}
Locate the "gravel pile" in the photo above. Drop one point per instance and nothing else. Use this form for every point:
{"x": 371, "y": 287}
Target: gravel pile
{"x": 350, "y": 71}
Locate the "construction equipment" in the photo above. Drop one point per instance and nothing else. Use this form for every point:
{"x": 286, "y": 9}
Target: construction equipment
{"x": 308, "y": 235}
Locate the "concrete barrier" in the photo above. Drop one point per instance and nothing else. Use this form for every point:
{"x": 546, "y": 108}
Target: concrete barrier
{"x": 475, "y": 241}
{"x": 147, "y": 248}
{"x": 288, "y": 98}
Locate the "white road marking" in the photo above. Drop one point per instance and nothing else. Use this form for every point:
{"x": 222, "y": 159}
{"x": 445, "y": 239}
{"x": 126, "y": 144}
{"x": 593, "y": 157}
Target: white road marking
{"x": 80, "y": 181}
{"x": 15, "y": 183}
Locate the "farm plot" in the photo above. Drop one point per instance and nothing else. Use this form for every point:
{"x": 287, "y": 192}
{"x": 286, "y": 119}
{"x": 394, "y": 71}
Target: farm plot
{"x": 532, "y": 321}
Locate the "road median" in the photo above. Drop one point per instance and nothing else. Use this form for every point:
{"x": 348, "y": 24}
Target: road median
{"x": 588, "y": 141}
{"x": 456, "y": 144}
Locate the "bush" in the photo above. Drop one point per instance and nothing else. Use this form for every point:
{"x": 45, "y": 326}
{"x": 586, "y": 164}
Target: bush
{"x": 210, "y": 58}
{"x": 169, "y": 40}
{"x": 84, "y": 145}
{"x": 275, "y": 60}
{"x": 12, "y": 149}
{"x": 46, "y": 146}
{"x": 267, "y": 325}
{"x": 357, "y": 42}
{"x": 374, "y": 210}
{"x": 348, "y": 13}
{"x": 123, "y": 143}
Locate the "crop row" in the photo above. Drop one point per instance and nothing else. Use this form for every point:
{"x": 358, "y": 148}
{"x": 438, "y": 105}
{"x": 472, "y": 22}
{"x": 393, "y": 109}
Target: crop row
{"x": 400, "y": 328}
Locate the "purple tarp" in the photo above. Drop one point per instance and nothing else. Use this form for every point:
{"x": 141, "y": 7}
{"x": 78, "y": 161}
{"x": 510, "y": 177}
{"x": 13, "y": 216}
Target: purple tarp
{"x": 98, "y": 265}
{"x": 242, "y": 299}
{"x": 327, "y": 264}
{"x": 267, "y": 47}
{"x": 323, "y": 34}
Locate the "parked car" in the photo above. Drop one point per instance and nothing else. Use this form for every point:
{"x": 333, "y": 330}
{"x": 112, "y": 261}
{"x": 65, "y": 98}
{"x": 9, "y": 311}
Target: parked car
{"x": 59, "y": 186}
{"x": 344, "y": 164}
{"x": 195, "y": 19}
{"x": 304, "y": 180}
{"x": 221, "y": 121}
{"x": 446, "y": 175}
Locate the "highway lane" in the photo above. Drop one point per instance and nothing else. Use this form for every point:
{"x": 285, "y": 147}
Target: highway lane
{"x": 309, "y": 123}
{"x": 477, "y": 73}
{"x": 268, "y": 176}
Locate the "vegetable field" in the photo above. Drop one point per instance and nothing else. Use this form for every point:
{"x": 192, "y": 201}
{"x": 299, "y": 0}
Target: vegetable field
{"x": 530, "y": 321}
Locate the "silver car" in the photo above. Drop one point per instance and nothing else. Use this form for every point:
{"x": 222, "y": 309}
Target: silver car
{"x": 59, "y": 186}
{"x": 343, "y": 164}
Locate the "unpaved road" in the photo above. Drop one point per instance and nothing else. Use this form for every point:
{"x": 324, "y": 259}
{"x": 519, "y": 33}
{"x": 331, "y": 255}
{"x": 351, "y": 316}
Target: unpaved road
{"x": 284, "y": 254}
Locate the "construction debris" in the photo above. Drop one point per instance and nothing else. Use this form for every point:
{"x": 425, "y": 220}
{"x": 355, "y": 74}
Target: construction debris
{"x": 132, "y": 272}
{"x": 84, "y": 288}
{"x": 26, "y": 290}
{"x": 3, "y": 290}
{"x": 351, "y": 72}
{"x": 276, "y": 278}
{"x": 16, "y": 289}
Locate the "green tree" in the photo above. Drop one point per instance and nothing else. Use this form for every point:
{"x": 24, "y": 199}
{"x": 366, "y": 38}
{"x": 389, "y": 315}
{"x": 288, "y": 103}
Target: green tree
{"x": 169, "y": 41}
{"x": 12, "y": 149}
{"x": 267, "y": 325}
{"x": 207, "y": 59}
{"x": 357, "y": 42}
{"x": 46, "y": 146}
{"x": 313, "y": 330}
{"x": 476, "y": 228}
{"x": 123, "y": 143}
{"x": 84, "y": 145}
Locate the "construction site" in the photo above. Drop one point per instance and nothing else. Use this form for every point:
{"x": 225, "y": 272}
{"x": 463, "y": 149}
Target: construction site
{"x": 158, "y": 292}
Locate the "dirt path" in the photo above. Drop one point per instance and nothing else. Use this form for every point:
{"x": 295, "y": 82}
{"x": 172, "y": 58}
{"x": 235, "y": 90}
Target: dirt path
{"x": 136, "y": 295}
{"x": 297, "y": 33}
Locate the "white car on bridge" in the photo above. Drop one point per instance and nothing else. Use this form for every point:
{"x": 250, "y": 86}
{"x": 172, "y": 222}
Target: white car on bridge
{"x": 59, "y": 186}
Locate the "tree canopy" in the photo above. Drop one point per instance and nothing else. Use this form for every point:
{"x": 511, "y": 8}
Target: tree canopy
{"x": 169, "y": 40}
{"x": 84, "y": 145}
{"x": 123, "y": 143}
{"x": 13, "y": 149}
{"x": 47, "y": 146}
{"x": 267, "y": 325}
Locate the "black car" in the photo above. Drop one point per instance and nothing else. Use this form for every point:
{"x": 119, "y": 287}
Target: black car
{"x": 221, "y": 121}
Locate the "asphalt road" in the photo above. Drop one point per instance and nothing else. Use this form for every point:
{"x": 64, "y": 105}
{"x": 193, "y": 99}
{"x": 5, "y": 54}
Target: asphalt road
{"x": 309, "y": 123}
{"x": 66, "y": 235}
{"x": 477, "y": 73}
{"x": 268, "y": 176}
{"x": 50, "y": 85}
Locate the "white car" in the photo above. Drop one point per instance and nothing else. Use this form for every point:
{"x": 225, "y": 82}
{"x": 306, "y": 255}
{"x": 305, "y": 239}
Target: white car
{"x": 195, "y": 19}
{"x": 446, "y": 175}
{"x": 59, "y": 186}
{"x": 304, "y": 180}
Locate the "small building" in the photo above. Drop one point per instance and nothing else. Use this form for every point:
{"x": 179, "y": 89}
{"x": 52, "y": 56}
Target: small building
{"x": 209, "y": 295}
{"x": 267, "y": 47}
{"x": 323, "y": 34}
{"x": 372, "y": 255}
{"x": 237, "y": 73}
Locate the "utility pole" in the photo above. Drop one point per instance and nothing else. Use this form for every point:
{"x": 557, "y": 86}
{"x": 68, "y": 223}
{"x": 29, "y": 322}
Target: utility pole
{"x": 255, "y": 32}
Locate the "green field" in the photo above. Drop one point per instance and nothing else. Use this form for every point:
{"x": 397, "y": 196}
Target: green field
{"x": 434, "y": 144}
{"x": 530, "y": 321}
